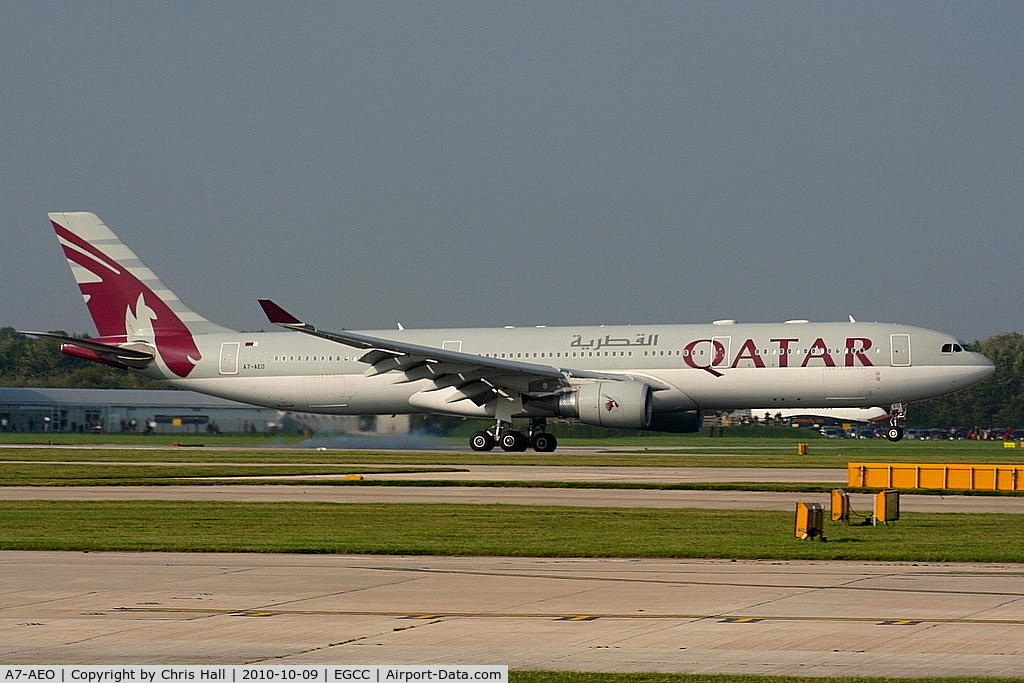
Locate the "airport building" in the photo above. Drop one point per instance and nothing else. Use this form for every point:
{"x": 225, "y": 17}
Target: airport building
{"x": 163, "y": 412}
{"x": 124, "y": 410}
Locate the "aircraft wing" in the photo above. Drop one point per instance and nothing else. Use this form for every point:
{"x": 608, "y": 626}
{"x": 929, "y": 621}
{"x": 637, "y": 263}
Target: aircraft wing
{"x": 474, "y": 377}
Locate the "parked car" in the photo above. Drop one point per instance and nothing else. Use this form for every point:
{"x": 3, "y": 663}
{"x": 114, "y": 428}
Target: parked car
{"x": 869, "y": 433}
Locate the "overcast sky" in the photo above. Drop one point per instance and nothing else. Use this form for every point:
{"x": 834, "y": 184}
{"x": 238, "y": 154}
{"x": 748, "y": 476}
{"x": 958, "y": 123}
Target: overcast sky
{"x": 444, "y": 164}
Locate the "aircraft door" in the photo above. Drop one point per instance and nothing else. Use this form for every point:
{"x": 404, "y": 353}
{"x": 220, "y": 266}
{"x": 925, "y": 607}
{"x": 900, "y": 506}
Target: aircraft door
{"x": 723, "y": 351}
{"x": 229, "y": 358}
{"x": 899, "y": 345}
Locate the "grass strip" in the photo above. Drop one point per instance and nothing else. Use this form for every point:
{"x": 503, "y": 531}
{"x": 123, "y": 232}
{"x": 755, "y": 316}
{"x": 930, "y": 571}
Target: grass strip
{"x": 492, "y": 530}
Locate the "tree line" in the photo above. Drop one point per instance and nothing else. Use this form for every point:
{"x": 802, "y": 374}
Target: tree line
{"x": 996, "y": 402}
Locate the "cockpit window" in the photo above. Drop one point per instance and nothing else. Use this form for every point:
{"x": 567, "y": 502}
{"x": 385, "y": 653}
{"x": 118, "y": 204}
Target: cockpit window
{"x": 955, "y": 348}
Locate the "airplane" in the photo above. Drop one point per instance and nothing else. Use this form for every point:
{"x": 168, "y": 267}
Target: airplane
{"x": 872, "y": 414}
{"x": 658, "y": 377}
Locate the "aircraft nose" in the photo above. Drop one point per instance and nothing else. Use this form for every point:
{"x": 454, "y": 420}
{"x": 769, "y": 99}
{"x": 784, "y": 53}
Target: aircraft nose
{"x": 985, "y": 367}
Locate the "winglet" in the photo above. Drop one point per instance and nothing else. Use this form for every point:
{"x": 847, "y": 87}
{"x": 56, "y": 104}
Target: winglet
{"x": 278, "y": 315}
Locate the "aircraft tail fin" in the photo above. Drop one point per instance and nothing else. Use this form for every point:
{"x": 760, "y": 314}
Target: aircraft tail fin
{"x": 127, "y": 301}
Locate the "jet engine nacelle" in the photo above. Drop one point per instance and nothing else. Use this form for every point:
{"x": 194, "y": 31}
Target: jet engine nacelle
{"x": 609, "y": 404}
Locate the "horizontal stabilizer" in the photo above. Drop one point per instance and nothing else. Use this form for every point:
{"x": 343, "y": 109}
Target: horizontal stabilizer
{"x": 132, "y": 357}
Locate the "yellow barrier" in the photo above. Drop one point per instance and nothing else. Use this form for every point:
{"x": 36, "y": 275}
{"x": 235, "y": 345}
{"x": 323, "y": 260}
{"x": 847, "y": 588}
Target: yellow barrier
{"x": 930, "y": 476}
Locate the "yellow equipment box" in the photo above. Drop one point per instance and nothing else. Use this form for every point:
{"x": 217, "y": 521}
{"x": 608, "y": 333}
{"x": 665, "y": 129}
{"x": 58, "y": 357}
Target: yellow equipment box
{"x": 887, "y": 506}
{"x": 810, "y": 520}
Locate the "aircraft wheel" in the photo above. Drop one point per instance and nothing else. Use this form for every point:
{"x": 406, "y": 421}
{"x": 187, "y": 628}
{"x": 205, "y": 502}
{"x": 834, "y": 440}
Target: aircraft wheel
{"x": 514, "y": 441}
{"x": 544, "y": 442}
{"x": 894, "y": 433}
{"x": 481, "y": 441}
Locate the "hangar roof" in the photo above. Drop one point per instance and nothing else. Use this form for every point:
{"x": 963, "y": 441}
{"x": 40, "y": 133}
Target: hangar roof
{"x": 141, "y": 398}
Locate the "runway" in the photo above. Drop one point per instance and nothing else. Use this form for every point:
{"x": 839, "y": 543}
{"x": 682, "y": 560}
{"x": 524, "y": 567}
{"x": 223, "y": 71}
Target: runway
{"x": 773, "y": 618}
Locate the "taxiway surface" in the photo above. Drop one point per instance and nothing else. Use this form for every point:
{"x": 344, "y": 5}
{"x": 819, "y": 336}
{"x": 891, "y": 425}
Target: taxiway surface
{"x": 776, "y": 618}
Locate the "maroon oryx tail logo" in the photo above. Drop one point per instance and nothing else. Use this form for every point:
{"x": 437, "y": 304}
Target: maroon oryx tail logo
{"x": 610, "y": 403}
{"x": 121, "y": 305}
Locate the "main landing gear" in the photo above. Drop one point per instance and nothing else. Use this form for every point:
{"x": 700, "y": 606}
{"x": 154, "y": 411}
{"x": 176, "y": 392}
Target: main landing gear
{"x": 897, "y": 415}
{"x": 514, "y": 441}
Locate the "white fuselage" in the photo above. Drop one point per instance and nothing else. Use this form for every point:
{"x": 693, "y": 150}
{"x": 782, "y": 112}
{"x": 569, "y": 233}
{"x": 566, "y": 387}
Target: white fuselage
{"x": 691, "y": 367}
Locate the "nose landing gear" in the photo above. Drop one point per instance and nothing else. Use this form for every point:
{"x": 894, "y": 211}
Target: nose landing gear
{"x": 897, "y": 415}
